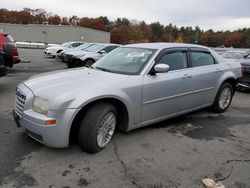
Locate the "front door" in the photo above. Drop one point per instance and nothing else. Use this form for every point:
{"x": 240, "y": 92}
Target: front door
{"x": 166, "y": 94}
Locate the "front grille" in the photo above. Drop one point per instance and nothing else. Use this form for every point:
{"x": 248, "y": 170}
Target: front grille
{"x": 19, "y": 104}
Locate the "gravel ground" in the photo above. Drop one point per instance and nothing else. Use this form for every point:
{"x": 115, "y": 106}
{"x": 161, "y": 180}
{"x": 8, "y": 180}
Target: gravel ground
{"x": 176, "y": 153}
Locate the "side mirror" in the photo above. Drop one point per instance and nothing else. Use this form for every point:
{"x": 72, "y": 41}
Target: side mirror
{"x": 102, "y": 52}
{"x": 160, "y": 68}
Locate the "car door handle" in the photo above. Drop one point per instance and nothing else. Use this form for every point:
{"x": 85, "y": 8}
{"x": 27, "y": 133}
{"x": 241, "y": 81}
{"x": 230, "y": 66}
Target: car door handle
{"x": 186, "y": 76}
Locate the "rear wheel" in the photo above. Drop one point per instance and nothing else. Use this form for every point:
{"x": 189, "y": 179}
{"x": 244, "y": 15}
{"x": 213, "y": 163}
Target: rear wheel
{"x": 97, "y": 127}
{"x": 223, "y": 98}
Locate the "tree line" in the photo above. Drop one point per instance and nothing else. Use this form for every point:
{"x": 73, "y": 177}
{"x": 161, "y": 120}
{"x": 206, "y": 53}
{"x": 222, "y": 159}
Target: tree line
{"x": 124, "y": 31}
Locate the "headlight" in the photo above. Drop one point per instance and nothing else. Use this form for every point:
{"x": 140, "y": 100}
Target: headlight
{"x": 79, "y": 56}
{"x": 41, "y": 105}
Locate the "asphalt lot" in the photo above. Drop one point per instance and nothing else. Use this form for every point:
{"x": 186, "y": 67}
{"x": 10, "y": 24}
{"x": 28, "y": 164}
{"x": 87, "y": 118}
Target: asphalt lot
{"x": 176, "y": 153}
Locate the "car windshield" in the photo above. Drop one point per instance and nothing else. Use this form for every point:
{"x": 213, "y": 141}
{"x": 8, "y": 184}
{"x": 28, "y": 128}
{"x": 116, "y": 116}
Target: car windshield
{"x": 232, "y": 55}
{"x": 125, "y": 60}
{"x": 95, "y": 48}
{"x": 84, "y": 46}
{"x": 66, "y": 44}
{"x": 10, "y": 39}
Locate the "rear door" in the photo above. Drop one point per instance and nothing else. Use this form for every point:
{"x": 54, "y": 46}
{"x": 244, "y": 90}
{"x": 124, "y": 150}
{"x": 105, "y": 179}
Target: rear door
{"x": 206, "y": 73}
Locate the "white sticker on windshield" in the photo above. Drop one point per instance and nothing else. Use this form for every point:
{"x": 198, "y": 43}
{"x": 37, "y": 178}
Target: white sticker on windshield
{"x": 136, "y": 54}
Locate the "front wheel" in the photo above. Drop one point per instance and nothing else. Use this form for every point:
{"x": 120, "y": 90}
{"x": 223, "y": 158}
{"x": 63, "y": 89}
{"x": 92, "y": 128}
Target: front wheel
{"x": 88, "y": 62}
{"x": 97, "y": 127}
{"x": 223, "y": 98}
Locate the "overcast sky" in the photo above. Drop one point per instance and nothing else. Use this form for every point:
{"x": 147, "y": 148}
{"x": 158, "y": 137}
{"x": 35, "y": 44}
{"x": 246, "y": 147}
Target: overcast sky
{"x": 214, "y": 14}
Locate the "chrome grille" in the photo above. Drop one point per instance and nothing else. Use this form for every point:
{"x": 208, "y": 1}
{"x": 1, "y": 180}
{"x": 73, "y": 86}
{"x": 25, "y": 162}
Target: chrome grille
{"x": 20, "y": 101}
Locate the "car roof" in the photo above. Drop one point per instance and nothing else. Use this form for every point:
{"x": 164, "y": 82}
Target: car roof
{"x": 163, "y": 45}
{"x": 5, "y": 34}
{"x": 238, "y": 51}
{"x": 107, "y": 44}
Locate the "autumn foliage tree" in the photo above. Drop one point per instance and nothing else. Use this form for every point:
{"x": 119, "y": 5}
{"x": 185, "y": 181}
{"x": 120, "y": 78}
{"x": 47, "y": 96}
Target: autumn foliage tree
{"x": 54, "y": 20}
{"x": 124, "y": 31}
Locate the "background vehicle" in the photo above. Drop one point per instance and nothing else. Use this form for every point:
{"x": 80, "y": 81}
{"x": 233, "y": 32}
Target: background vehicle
{"x": 90, "y": 55}
{"x": 9, "y": 50}
{"x": 53, "y": 50}
{"x": 242, "y": 56}
{"x": 131, "y": 87}
{"x": 3, "y": 68}
{"x": 244, "y": 81}
{"x": 61, "y": 56}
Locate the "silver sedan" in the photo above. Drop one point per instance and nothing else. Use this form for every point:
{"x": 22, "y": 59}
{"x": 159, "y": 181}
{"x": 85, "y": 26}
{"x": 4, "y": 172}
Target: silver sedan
{"x": 131, "y": 87}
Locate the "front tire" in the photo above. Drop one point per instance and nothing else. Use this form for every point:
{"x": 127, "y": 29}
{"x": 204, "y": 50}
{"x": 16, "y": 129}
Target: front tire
{"x": 8, "y": 57}
{"x": 223, "y": 98}
{"x": 71, "y": 65}
{"x": 88, "y": 62}
{"x": 97, "y": 127}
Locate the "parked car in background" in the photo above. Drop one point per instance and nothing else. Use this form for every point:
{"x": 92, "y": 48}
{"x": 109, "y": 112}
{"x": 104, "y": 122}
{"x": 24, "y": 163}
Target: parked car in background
{"x": 53, "y": 50}
{"x": 131, "y": 87}
{"x": 61, "y": 56}
{"x": 90, "y": 55}
{"x": 242, "y": 56}
{"x": 244, "y": 81}
{"x": 9, "y": 50}
{"x": 3, "y": 68}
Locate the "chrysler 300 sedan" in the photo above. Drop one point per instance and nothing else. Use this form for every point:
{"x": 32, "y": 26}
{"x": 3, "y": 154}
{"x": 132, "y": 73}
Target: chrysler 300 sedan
{"x": 131, "y": 87}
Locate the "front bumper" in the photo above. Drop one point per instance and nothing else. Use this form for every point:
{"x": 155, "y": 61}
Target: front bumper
{"x": 56, "y": 136}
{"x": 244, "y": 82}
{"x": 34, "y": 123}
{"x": 49, "y": 53}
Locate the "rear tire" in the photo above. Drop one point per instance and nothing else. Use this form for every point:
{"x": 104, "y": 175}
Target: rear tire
{"x": 97, "y": 127}
{"x": 223, "y": 98}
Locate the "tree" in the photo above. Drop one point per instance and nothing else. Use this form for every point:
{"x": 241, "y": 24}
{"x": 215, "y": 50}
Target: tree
{"x": 65, "y": 21}
{"x": 179, "y": 40}
{"x": 73, "y": 20}
{"x": 157, "y": 31}
{"x": 54, "y": 20}
{"x": 234, "y": 40}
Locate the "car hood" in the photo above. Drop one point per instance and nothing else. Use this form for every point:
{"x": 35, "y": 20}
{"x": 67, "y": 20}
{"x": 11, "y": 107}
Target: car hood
{"x": 245, "y": 62}
{"x": 57, "y": 82}
{"x": 54, "y": 47}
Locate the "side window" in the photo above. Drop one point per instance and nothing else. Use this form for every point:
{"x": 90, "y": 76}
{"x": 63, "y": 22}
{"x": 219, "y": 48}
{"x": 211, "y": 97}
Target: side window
{"x": 109, "y": 48}
{"x": 75, "y": 44}
{"x": 201, "y": 59}
{"x": 175, "y": 60}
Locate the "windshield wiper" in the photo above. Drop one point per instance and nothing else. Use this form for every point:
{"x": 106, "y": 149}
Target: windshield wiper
{"x": 103, "y": 69}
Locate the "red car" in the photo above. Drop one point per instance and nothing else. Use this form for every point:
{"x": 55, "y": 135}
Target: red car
{"x": 9, "y": 50}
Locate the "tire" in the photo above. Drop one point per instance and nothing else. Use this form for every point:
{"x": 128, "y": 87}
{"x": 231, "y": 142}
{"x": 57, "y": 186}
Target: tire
{"x": 88, "y": 62}
{"x": 223, "y": 98}
{"x": 71, "y": 65}
{"x": 92, "y": 132}
{"x": 8, "y": 57}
